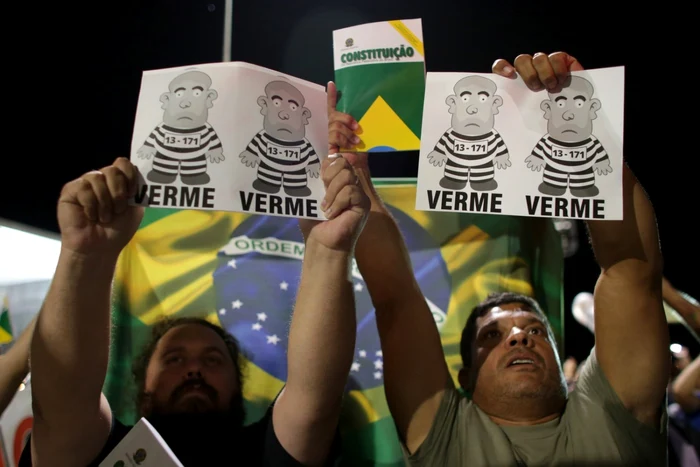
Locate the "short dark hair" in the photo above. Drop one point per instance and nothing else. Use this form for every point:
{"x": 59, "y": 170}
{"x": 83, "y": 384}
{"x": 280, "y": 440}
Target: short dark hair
{"x": 492, "y": 300}
{"x": 160, "y": 329}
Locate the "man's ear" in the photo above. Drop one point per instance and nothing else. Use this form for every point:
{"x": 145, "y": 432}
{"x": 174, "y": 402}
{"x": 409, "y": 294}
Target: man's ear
{"x": 464, "y": 379}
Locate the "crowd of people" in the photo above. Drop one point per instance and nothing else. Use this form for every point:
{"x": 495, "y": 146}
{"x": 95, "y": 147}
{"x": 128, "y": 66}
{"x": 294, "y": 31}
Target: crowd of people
{"x": 516, "y": 402}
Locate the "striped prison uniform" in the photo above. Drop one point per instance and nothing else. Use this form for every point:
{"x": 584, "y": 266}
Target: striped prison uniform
{"x": 470, "y": 156}
{"x": 183, "y": 150}
{"x": 282, "y": 162}
{"x": 569, "y": 163}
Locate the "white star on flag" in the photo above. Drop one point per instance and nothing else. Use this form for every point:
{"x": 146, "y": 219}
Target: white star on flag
{"x": 379, "y": 354}
{"x": 377, "y": 375}
{"x": 262, "y": 316}
{"x": 358, "y": 287}
{"x": 273, "y": 339}
{"x": 378, "y": 364}
{"x": 232, "y": 263}
{"x": 222, "y": 311}
{"x": 363, "y": 354}
{"x": 257, "y": 327}
{"x": 355, "y": 366}
{"x": 283, "y": 285}
{"x": 236, "y": 304}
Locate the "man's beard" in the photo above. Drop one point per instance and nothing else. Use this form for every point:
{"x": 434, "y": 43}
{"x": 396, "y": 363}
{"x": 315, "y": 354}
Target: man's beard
{"x": 194, "y": 418}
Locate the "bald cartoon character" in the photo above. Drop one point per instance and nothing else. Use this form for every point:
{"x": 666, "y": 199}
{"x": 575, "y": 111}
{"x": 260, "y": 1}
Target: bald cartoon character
{"x": 284, "y": 154}
{"x": 472, "y": 146}
{"x": 184, "y": 140}
{"x": 569, "y": 152}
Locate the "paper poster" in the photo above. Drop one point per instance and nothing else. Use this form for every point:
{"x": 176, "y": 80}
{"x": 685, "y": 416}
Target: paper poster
{"x": 380, "y": 75}
{"x": 491, "y": 145}
{"x": 142, "y": 446}
{"x": 230, "y": 137}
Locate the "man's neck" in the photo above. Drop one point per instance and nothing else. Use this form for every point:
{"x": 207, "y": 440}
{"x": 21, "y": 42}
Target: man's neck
{"x": 521, "y": 412}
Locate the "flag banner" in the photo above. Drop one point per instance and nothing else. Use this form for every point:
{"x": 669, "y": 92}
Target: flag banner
{"x": 380, "y": 74}
{"x": 242, "y": 270}
{"x": 5, "y": 323}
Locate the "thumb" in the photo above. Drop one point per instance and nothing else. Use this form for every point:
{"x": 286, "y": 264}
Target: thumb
{"x": 572, "y": 64}
{"x": 331, "y": 96}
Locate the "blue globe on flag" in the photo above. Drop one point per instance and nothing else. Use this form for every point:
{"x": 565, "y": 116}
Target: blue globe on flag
{"x": 256, "y": 281}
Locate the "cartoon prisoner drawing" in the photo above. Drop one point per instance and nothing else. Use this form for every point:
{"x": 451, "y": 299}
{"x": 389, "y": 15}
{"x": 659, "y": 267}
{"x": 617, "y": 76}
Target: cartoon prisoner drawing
{"x": 184, "y": 140}
{"x": 286, "y": 158}
{"x": 472, "y": 146}
{"x": 569, "y": 152}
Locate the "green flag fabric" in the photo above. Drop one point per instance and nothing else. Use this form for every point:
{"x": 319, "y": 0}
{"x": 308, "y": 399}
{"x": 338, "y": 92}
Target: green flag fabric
{"x": 241, "y": 271}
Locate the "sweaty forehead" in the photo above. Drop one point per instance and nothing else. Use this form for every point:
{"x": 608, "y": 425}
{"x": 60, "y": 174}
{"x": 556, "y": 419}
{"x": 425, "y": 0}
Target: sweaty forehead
{"x": 191, "y": 337}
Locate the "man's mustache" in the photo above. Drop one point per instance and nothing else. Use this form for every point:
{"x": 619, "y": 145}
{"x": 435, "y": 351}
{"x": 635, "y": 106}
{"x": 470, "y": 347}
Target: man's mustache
{"x": 190, "y": 384}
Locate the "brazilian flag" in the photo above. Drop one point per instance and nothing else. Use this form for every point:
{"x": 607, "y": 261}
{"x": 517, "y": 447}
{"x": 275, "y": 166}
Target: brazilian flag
{"x": 5, "y": 323}
{"x": 241, "y": 271}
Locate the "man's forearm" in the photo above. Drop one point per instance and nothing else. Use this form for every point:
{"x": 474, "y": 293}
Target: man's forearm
{"x": 70, "y": 345}
{"x": 322, "y": 333}
{"x": 633, "y": 238}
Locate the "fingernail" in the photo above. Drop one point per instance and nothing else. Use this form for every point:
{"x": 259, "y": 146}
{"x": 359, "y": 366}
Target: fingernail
{"x": 356, "y": 139}
{"x": 508, "y": 69}
{"x": 323, "y": 205}
{"x": 354, "y": 125}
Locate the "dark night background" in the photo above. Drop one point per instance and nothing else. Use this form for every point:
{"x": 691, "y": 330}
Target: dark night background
{"x": 83, "y": 83}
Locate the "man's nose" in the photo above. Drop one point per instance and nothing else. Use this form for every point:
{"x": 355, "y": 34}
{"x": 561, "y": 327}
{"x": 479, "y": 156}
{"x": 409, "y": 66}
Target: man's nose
{"x": 517, "y": 337}
{"x": 472, "y": 109}
{"x": 284, "y": 115}
{"x": 568, "y": 115}
{"x": 185, "y": 104}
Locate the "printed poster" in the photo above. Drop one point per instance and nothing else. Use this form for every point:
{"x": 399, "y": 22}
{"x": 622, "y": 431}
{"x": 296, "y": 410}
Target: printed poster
{"x": 491, "y": 145}
{"x": 380, "y": 75}
{"x": 230, "y": 137}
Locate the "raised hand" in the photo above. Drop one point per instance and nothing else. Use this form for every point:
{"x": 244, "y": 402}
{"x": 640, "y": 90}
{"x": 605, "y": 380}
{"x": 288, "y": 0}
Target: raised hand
{"x": 539, "y": 71}
{"x": 341, "y": 126}
{"x": 93, "y": 212}
{"x": 346, "y": 206}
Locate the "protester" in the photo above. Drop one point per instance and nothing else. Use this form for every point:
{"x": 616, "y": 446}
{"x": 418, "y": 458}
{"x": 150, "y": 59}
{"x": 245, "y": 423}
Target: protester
{"x": 520, "y": 412}
{"x": 191, "y": 380}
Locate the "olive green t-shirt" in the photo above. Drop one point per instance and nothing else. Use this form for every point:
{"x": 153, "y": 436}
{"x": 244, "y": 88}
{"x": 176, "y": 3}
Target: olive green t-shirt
{"x": 595, "y": 429}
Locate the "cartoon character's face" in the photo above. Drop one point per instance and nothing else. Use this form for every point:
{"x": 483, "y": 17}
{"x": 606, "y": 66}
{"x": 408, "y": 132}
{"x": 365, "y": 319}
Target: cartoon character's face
{"x": 570, "y": 111}
{"x": 474, "y": 105}
{"x": 191, "y": 371}
{"x": 285, "y": 115}
{"x": 187, "y": 103}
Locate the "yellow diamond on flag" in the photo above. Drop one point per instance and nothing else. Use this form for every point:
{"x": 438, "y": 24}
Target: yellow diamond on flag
{"x": 381, "y": 127}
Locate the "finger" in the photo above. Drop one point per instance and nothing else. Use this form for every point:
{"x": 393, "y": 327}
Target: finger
{"x": 524, "y": 67}
{"x": 335, "y": 175}
{"x": 348, "y": 197}
{"x": 338, "y": 128}
{"x": 79, "y": 192}
{"x": 504, "y": 68}
{"x": 130, "y": 172}
{"x": 558, "y": 61}
{"x": 118, "y": 186}
{"x": 343, "y": 118}
{"x": 98, "y": 184}
{"x": 544, "y": 70}
{"x": 331, "y": 96}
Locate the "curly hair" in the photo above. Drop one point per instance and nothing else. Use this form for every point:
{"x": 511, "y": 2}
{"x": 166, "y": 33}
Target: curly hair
{"x": 141, "y": 363}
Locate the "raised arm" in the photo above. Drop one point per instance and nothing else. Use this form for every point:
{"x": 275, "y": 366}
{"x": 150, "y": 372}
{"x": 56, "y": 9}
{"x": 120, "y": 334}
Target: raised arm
{"x": 415, "y": 371}
{"x": 70, "y": 345}
{"x": 14, "y": 366}
{"x": 686, "y": 385}
{"x": 689, "y": 311}
{"x": 632, "y": 339}
{"x": 322, "y": 334}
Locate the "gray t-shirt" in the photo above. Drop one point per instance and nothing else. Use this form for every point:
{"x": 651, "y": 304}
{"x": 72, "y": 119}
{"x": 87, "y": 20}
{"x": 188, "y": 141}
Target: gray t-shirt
{"x": 595, "y": 429}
